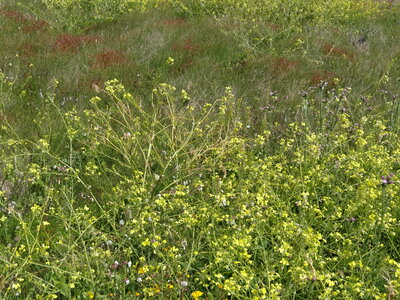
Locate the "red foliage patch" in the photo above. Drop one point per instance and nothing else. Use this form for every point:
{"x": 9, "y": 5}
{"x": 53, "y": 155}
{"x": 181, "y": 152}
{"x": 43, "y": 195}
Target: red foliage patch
{"x": 318, "y": 76}
{"x": 15, "y": 15}
{"x": 187, "y": 46}
{"x": 329, "y": 49}
{"x": 71, "y": 43}
{"x": 282, "y": 64}
{"x": 36, "y": 25}
{"x": 109, "y": 58}
{"x": 175, "y": 22}
{"x": 273, "y": 26}
{"x": 30, "y": 24}
{"x": 27, "y": 50}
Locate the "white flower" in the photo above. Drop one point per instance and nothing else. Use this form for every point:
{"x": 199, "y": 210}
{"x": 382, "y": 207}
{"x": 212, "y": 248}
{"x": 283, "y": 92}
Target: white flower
{"x": 184, "y": 283}
{"x": 121, "y": 222}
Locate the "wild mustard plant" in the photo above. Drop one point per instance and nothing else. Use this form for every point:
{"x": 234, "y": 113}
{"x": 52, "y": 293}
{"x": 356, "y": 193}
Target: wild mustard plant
{"x": 193, "y": 205}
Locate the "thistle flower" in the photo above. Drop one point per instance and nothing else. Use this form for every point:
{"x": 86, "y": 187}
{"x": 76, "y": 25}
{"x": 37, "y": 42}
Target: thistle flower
{"x": 385, "y": 180}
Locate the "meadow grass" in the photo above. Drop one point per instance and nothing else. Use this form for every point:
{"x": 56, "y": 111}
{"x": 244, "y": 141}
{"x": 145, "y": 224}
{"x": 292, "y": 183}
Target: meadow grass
{"x": 199, "y": 149}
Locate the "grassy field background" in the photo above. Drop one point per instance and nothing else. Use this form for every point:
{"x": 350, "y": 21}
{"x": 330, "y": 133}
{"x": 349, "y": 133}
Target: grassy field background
{"x": 209, "y": 149}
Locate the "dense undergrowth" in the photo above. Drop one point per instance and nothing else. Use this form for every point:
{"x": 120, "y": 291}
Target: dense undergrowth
{"x": 245, "y": 151}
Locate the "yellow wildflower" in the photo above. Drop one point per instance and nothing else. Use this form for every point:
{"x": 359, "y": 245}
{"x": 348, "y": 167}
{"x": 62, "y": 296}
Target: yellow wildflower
{"x": 197, "y": 294}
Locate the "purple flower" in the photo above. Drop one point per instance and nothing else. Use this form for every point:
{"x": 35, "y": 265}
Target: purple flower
{"x": 385, "y": 180}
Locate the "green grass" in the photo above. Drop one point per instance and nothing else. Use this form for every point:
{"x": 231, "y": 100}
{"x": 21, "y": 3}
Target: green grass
{"x": 190, "y": 151}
